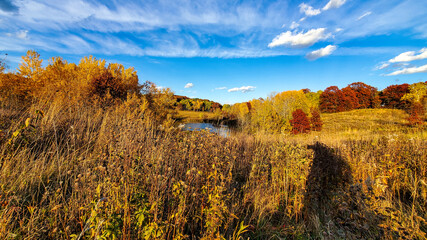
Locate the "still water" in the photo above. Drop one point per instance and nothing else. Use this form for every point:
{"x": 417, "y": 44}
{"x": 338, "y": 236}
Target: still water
{"x": 221, "y": 130}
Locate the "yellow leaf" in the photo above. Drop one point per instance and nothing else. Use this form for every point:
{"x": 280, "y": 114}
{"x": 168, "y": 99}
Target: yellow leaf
{"x": 27, "y": 122}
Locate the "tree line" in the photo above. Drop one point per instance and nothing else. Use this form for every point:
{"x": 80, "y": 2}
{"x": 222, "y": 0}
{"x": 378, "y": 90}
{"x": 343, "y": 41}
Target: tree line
{"x": 291, "y": 111}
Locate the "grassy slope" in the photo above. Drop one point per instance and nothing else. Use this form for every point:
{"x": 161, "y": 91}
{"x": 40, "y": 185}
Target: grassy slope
{"x": 363, "y": 124}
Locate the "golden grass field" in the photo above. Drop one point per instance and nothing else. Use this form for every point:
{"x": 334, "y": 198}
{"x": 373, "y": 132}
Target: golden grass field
{"x": 89, "y": 173}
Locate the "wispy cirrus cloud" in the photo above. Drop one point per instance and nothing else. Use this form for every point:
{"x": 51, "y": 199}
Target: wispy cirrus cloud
{"x": 364, "y": 15}
{"x": 323, "y": 52}
{"x": 243, "y": 89}
{"x": 333, "y": 4}
{"x": 187, "y": 28}
{"x": 301, "y": 39}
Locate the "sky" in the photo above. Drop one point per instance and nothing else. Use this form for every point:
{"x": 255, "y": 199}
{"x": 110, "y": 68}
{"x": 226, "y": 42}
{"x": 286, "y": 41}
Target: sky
{"x": 229, "y": 50}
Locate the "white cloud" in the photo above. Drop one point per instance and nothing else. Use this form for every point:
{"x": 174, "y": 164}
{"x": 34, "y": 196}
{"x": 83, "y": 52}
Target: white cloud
{"x": 243, "y": 89}
{"x": 220, "y": 88}
{"x": 326, "y": 51}
{"x": 294, "y": 25}
{"x": 338, "y": 29}
{"x": 382, "y": 66}
{"x": 189, "y": 85}
{"x": 308, "y": 10}
{"x": 410, "y": 70}
{"x": 333, "y": 4}
{"x": 23, "y": 34}
{"x": 410, "y": 56}
{"x": 301, "y": 39}
{"x": 364, "y": 15}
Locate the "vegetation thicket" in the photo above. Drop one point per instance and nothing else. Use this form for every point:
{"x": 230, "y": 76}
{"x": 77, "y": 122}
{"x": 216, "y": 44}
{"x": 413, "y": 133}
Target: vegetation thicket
{"x": 88, "y": 153}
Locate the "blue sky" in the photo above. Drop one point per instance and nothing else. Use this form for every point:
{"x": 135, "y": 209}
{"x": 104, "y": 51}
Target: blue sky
{"x": 229, "y": 51}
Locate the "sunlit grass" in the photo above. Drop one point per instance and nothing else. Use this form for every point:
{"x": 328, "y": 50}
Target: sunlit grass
{"x": 94, "y": 172}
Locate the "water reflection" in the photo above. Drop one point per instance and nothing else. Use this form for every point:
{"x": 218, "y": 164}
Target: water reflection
{"x": 221, "y": 130}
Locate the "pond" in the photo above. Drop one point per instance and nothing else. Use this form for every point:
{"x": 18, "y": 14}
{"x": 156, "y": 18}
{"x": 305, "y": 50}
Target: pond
{"x": 221, "y": 130}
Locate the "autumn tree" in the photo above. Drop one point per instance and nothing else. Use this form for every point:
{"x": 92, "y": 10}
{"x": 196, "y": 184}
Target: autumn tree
{"x": 366, "y": 95}
{"x": 330, "y": 99}
{"x": 391, "y": 96}
{"x": 348, "y": 100}
{"x": 356, "y": 95}
{"x": 315, "y": 120}
{"x": 416, "y": 114}
{"x": 300, "y": 122}
{"x": 264, "y": 118}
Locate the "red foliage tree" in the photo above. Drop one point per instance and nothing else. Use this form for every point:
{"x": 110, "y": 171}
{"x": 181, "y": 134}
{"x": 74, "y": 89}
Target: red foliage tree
{"x": 348, "y": 100}
{"x": 330, "y": 99}
{"x": 366, "y": 94}
{"x": 316, "y": 121}
{"x": 299, "y": 122}
{"x": 390, "y": 97}
{"x": 334, "y": 99}
{"x": 416, "y": 114}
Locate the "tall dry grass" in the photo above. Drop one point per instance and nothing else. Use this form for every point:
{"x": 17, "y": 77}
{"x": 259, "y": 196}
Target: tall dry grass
{"x": 87, "y": 172}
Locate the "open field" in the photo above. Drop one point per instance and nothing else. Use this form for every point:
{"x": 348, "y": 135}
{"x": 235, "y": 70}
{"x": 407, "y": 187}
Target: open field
{"x": 110, "y": 174}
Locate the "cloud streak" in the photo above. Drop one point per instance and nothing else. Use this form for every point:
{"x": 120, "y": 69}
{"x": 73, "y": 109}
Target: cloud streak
{"x": 333, "y": 4}
{"x": 243, "y": 89}
{"x": 323, "y": 52}
{"x": 364, "y": 15}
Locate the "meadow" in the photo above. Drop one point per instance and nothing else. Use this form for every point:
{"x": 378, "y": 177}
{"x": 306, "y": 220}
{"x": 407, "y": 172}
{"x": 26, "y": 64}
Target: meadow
{"x": 87, "y": 158}
{"x": 85, "y": 173}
